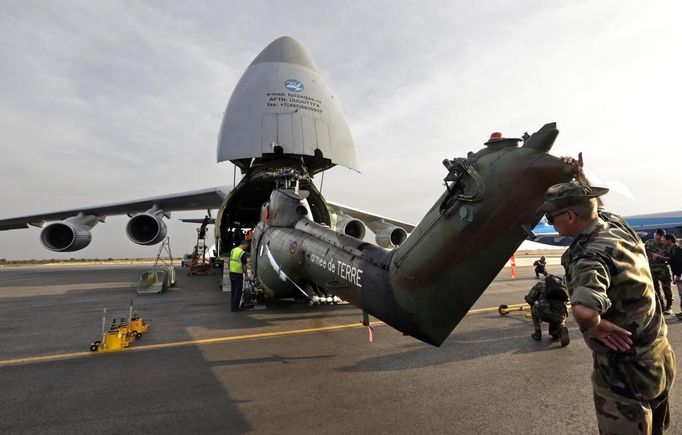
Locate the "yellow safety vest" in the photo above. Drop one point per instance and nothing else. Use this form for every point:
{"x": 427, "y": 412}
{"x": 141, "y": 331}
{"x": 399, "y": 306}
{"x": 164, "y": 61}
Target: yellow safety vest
{"x": 236, "y": 260}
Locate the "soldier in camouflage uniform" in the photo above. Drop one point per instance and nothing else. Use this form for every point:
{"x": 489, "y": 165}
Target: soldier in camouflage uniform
{"x": 614, "y": 303}
{"x": 675, "y": 262}
{"x": 548, "y": 299}
{"x": 658, "y": 254}
{"x": 540, "y": 267}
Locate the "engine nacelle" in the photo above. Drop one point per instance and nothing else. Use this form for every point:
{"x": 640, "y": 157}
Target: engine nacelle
{"x": 390, "y": 236}
{"x": 350, "y": 226}
{"x": 146, "y": 228}
{"x": 71, "y": 234}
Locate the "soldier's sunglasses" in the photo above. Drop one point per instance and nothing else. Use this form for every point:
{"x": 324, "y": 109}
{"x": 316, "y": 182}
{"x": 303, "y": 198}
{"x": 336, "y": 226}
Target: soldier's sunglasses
{"x": 550, "y": 218}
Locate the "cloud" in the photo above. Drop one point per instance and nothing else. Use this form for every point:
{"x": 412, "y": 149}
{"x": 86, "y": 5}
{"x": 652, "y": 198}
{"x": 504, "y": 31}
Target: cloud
{"x": 113, "y": 101}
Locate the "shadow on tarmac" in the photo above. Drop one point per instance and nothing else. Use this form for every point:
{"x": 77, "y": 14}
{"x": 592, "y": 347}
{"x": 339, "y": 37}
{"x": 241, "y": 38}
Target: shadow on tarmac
{"x": 141, "y": 391}
{"x": 271, "y": 359}
{"x": 513, "y": 338}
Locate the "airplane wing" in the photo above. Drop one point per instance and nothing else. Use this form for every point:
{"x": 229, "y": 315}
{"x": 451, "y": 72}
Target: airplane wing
{"x": 211, "y": 221}
{"x": 368, "y": 218}
{"x": 193, "y": 200}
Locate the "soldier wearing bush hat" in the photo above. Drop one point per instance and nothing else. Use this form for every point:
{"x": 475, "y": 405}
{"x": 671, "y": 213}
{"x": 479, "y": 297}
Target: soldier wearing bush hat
{"x": 565, "y": 194}
{"x": 613, "y": 302}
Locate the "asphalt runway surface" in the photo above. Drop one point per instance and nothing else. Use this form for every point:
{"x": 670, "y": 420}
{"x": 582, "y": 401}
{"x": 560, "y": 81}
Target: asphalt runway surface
{"x": 288, "y": 369}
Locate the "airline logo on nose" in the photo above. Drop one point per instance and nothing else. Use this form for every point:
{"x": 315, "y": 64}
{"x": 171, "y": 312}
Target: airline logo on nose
{"x": 293, "y": 85}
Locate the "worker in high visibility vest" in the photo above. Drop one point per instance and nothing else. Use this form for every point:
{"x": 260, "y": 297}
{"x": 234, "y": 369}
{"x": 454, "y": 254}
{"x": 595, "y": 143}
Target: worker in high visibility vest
{"x": 238, "y": 258}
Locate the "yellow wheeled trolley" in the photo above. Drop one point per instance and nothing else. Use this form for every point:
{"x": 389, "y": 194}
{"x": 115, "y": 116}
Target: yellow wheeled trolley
{"x": 138, "y": 326}
{"x": 120, "y": 335}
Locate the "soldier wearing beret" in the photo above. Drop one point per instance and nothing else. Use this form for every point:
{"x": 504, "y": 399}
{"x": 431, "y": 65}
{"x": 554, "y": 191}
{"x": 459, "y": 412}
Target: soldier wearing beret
{"x": 614, "y": 303}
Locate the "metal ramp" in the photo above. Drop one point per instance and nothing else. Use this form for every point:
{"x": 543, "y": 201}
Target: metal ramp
{"x": 166, "y": 264}
{"x": 153, "y": 282}
{"x": 162, "y": 276}
{"x": 164, "y": 248}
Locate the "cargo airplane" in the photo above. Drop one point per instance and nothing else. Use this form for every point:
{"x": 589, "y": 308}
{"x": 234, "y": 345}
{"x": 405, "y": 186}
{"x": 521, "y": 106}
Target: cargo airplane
{"x": 282, "y": 126}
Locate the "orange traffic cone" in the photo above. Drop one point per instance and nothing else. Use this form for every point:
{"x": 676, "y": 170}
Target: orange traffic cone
{"x": 513, "y": 266}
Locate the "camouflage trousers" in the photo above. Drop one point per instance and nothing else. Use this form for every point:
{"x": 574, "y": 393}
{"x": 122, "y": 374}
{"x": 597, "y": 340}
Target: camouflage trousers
{"x": 662, "y": 280}
{"x": 543, "y": 313}
{"x": 631, "y": 396}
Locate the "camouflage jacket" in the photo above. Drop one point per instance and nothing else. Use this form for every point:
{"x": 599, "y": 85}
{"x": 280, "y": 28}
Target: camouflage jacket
{"x": 537, "y": 294}
{"x": 654, "y": 247}
{"x": 607, "y": 270}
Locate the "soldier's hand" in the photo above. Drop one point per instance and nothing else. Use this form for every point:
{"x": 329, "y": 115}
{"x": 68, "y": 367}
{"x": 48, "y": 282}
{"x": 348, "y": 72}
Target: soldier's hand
{"x": 571, "y": 161}
{"x": 613, "y": 336}
{"x": 579, "y": 164}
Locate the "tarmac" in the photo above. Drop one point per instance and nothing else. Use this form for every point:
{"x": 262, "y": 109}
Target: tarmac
{"x": 288, "y": 369}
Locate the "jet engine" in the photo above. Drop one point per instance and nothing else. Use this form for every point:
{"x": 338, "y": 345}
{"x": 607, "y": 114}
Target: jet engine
{"x": 147, "y": 228}
{"x": 350, "y": 226}
{"x": 389, "y": 236}
{"x": 71, "y": 234}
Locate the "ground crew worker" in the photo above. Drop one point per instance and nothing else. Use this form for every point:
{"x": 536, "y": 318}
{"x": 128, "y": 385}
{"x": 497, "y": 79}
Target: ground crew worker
{"x": 548, "y": 300}
{"x": 614, "y": 303}
{"x": 238, "y": 257}
{"x": 675, "y": 262}
{"x": 658, "y": 254}
{"x": 540, "y": 267}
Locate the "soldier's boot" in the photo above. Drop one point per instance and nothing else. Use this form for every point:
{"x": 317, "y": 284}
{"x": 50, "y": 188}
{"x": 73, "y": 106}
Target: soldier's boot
{"x": 536, "y": 335}
{"x": 565, "y": 338}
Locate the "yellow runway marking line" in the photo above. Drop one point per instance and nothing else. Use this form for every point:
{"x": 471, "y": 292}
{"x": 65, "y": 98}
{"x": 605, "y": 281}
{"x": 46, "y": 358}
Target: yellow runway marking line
{"x": 186, "y": 343}
{"x": 44, "y": 358}
{"x": 203, "y": 341}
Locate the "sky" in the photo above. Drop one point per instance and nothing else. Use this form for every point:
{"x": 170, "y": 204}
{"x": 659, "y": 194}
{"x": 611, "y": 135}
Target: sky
{"x": 112, "y": 101}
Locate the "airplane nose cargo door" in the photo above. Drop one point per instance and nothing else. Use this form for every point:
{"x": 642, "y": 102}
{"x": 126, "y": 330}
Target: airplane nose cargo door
{"x": 296, "y": 134}
{"x": 297, "y": 111}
